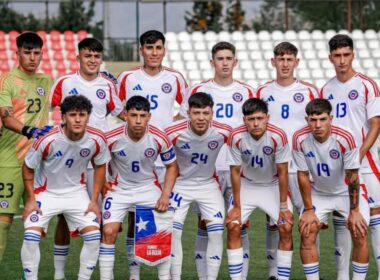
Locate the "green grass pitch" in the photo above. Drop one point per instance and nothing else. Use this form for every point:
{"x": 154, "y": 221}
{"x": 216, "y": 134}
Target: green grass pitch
{"x": 10, "y": 269}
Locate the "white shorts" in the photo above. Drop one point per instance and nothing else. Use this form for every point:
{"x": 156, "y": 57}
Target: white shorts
{"x": 326, "y": 204}
{"x": 265, "y": 198}
{"x": 71, "y": 205}
{"x": 116, "y": 204}
{"x": 295, "y": 193}
{"x": 372, "y": 189}
{"x": 209, "y": 199}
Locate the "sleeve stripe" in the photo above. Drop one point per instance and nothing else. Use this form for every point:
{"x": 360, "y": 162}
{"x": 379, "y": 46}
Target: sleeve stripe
{"x": 372, "y": 82}
{"x": 176, "y": 127}
{"x": 279, "y": 131}
{"x": 344, "y": 134}
{"x": 240, "y": 129}
{"x": 179, "y": 95}
{"x": 298, "y": 134}
{"x": 57, "y": 93}
{"x": 221, "y": 125}
{"x": 176, "y": 72}
{"x": 97, "y": 132}
{"x": 258, "y": 92}
{"x": 123, "y": 87}
{"x": 114, "y": 132}
{"x": 309, "y": 85}
{"x": 38, "y": 142}
{"x": 161, "y": 134}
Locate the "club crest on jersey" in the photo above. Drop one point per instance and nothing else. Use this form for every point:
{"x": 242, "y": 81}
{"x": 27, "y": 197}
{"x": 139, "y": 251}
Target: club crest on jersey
{"x": 298, "y": 97}
{"x": 84, "y": 152}
{"x": 101, "y": 93}
{"x": 213, "y": 145}
{"x": 167, "y": 88}
{"x": 4, "y": 204}
{"x": 106, "y": 215}
{"x": 267, "y": 150}
{"x": 40, "y": 91}
{"x": 353, "y": 94}
{"x": 334, "y": 154}
{"x": 149, "y": 152}
{"x": 237, "y": 96}
{"x": 34, "y": 218}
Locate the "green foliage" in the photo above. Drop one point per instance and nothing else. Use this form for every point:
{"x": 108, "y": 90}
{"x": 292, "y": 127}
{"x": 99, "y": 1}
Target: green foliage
{"x": 204, "y": 17}
{"x": 235, "y": 16}
{"x": 11, "y": 20}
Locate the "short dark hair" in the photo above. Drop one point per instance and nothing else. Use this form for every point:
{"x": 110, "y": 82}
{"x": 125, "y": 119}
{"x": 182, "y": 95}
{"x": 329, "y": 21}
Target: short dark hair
{"x": 222, "y": 46}
{"x": 91, "y": 44}
{"x": 200, "y": 100}
{"x": 139, "y": 103}
{"x": 151, "y": 37}
{"x": 76, "y": 103}
{"x": 340, "y": 41}
{"x": 318, "y": 106}
{"x": 285, "y": 48}
{"x": 254, "y": 105}
{"x": 29, "y": 40}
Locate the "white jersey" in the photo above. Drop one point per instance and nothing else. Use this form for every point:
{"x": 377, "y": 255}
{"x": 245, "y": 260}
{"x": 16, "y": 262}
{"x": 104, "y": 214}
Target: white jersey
{"x": 326, "y": 161}
{"x": 132, "y": 163}
{"x": 196, "y": 154}
{"x": 162, "y": 91}
{"x": 101, "y": 92}
{"x": 60, "y": 164}
{"x": 258, "y": 158}
{"x": 286, "y": 106}
{"x": 228, "y": 101}
{"x": 354, "y": 103}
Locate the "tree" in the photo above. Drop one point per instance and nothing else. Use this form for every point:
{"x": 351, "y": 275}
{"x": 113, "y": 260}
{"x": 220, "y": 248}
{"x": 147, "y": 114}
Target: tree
{"x": 72, "y": 15}
{"x": 11, "y": 20}
{"x": 235, "y": 16}
{"x": 205, "y": 16}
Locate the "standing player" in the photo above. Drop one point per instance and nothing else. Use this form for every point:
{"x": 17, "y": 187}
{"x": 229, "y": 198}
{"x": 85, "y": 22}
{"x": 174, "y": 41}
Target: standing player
{"x": 101, "y": 91}
{"x": 23, "y": 108}
{"x": 134, "y": 148}
{"x": 163, "y": 87}
{"x": 258, "y": 158}
{"x": 330, "y": 155}
{"x": 197, "y": 143}
{"x": 286, "y": 97}
{"x": 228, "y": 96}
{"x": 355, "y": 101}
{"x": 56, "y": 164}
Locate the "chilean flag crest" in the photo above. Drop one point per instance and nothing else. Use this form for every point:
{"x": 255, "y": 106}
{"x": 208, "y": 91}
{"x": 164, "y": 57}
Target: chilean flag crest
{"x": 153, "y": 235}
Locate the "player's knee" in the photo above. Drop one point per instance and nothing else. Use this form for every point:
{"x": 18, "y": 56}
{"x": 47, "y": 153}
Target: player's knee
{"x": 360, "y": 241}
{"x": 311, "y": 238}
{"x": 233, "y": 230}
{"x": 285, "y": 232}
{"x": 109, "y": 234}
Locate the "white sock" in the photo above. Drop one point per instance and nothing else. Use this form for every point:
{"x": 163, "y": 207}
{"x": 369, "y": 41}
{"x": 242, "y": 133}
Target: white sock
{"x": 235, "y": 263}
{"x": 106, "y": 261}
{"x": 163, "y": 270}
{"x": 133, "y": 265}
{"x": 284, "y": 264}
{"x": 246, "y": 254}
{"x": 343, "y": 243}
{"x": 272, "y": 238}
{"x": 200, "y": 253}
{"x": 311, "y": 271}
{"x": 30, "y": 254}
{"x": 177, "y": 254}
{"x": 89, "y": 254}
{"x": 214, "y": 249}
{"x": 60, "y": 257}
{"x": 359, "y": 270}
{"x": 374, "y": 226}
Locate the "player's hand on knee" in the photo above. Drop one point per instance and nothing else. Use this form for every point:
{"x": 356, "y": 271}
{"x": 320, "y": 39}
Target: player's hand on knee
{"x": 162, "y": 203}
{"x": 307, "y": 220}
{"x": 234, "y": 216}
{"x": 285, "y": 217}
{"x": 29, "y": 207}
{"x": 94, "y": 208}
{"x": 107, "y": 187}
{"x": 356, "y": 223}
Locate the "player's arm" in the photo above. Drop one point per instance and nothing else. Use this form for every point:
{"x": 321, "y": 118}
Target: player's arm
{"x": 355, "y": 220}
{"x": 99, "y": 179}
{"x": 308, "y": 216}
{"x": 234, "y": 215}
{"x": 31, "y": 204}
{"x": 371, "y": 137}
{"x": 282, "y": 171}
{"x": 171, "y": 175}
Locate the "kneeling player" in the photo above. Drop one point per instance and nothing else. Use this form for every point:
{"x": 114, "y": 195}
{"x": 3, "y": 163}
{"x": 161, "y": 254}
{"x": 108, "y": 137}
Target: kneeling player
{"x": 134, "y": 148}
{"x": 258, "y": 156}
{"x": 60, "y": 159}
{"x": 331, "y": 156}
{"x": 197, "y": 143}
